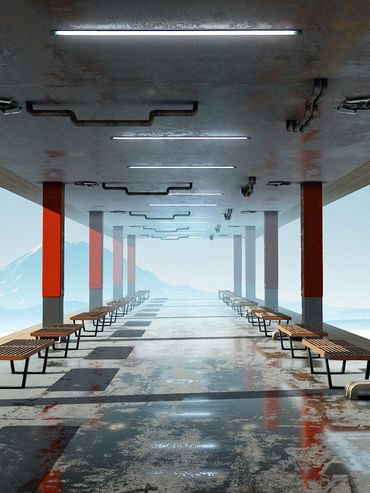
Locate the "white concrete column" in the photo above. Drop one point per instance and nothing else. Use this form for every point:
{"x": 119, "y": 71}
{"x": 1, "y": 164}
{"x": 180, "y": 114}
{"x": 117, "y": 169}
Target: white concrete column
{"x": 238, "y": 265}
{"x": 250, "y": 262}
{"x": 271, "y": 259}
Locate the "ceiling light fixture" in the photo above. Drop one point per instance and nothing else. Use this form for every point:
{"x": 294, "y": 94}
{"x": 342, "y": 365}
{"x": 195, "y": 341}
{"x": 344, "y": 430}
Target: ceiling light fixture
{"x": 181, "y": 137}
{"x": 194, "y": 166}
{"x": 86, "y": 183}
{"x": 183, "y": 222}
{"x": 183, "y": 205}
{"x": 9, "y": 106}
{"x": 277, "y": 183}
{"x": 199, "y": 194}
{"x": 176, "y": 32}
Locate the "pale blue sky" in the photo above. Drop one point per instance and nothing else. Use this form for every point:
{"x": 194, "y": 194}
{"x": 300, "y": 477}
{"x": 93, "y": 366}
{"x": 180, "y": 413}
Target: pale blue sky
{"x": 207, "y": 265}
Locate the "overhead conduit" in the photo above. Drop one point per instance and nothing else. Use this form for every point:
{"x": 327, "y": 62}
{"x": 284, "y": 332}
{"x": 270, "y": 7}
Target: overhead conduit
{"x": 111, "y": 123}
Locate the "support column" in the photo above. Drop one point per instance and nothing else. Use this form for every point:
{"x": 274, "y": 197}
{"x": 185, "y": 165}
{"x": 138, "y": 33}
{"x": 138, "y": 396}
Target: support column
{"x": 96, "y": 259}
{"x": 311, "y": 254}
{"x": 271, "y": 238}
{"x": 53, "y": 253}
{"x": 238, "y": 265}
{"x": 117, "y": 262}
{"x": 250, "y": 262}
{"x": 131, "y": 264}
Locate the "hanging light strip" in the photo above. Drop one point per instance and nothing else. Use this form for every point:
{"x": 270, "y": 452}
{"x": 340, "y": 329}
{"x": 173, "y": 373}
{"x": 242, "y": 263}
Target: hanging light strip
{"x": 176, "y": 32}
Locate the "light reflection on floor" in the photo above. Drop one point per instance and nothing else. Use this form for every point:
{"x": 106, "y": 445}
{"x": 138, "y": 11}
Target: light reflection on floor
{"x": 199, "y": 415}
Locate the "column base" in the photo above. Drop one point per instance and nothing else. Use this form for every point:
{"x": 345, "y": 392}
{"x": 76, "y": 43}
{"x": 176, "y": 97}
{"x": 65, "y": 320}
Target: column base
{"x": 312, "y": 312}
{"x": 131, "y": 289}
{"x": 52, "y": 310}
{"x": 117, "y": 291}
{"x": 272, "y": 298}
{"x": 250, "y": 292}
{"x": 95, "y": 297}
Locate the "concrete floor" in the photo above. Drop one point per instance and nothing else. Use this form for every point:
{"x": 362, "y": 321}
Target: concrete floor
{"x": 201, "y": 403}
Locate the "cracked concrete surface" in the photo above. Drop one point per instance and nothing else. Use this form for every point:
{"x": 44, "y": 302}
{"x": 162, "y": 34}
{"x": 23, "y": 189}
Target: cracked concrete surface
{"x": 220, "y": 409}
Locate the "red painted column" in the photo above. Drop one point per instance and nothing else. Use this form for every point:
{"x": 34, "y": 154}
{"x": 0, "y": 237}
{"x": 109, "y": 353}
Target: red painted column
{"x": 311, "y": 253}
{"x": 117, "y": 262}
{"x": 96, "y": 259}
{"x": 53, "y": 252}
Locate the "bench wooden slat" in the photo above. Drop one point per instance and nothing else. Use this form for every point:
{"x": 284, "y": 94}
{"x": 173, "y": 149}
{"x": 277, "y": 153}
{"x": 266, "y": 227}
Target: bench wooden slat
{"x": 337, "y": 349}
{"x": 299, "y": 330}
{"x": 19, "y": 349}
{"x": 271, "y": 316}
{"x": 88, "y": 316}
{"x": 57, "y": 330}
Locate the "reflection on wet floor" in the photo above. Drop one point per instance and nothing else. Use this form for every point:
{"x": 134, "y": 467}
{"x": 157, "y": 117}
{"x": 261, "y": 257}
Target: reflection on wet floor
{"x": 200, "y": 404}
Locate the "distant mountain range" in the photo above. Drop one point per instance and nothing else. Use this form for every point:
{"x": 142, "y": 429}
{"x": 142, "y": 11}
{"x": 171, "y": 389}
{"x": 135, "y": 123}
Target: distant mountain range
{"x": 20, "y": 285}
{"x": 20, "y": 291}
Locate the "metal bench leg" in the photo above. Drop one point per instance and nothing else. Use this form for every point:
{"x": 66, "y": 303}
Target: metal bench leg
{"x": 66, "y": 348}
{"x": 78, "y": 335}
{"x": 25, "y": 373}
{"x": 45, "y": 360}
{"x": 328, "y": 373}
{"x": 310, "y": 360}
{"x": 367, "y": 372}
{"x": 281, "y": 341}
{"x": 292, "y": 349}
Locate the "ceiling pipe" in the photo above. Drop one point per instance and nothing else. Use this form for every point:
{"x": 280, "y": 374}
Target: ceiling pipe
{"x": 166, "y": 230}
{"x": 106, "y": 186}
{"x": 171, "y": 218}
{"x": 111, "y": 123}
{"x": 311, "y": 107}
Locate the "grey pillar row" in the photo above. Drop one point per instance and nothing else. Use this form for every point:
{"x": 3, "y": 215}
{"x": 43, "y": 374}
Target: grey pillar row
{"x": 117, "y": 262}
{"x": 131, "y": 264}
{"x": 250, "y": 262}
{"x": 238, "y": 265}
{"x": 271, "y": 239}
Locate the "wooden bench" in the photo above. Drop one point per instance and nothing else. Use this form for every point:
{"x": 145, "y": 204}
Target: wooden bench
{"x": 250, "y": 313}
{"x": 110, "y": 310}
{"x": 60, "y": 331}
{"x": 268, "y": 316}
{"x": 23, "y": 349}
{"x": 243, "y": 305}
{"x": 121, "y": 306}
{"x": 338, "y": 350}
{"x": 297, "y": 332}
{"x": 95, "y": 317}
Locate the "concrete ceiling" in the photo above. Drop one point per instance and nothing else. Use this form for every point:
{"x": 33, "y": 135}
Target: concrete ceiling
{"x": 245, "y": 86}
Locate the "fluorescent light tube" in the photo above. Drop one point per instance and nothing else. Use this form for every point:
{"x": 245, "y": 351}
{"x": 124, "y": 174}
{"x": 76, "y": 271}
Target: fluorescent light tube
{"x": 169, "y": 137}
{"x": 184, "y": 222}
{"x": 182, "y": 167}
{"x": 176, "y": 32}
{"x": 198, "y": 194}
{"x": 183, "y": 205}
